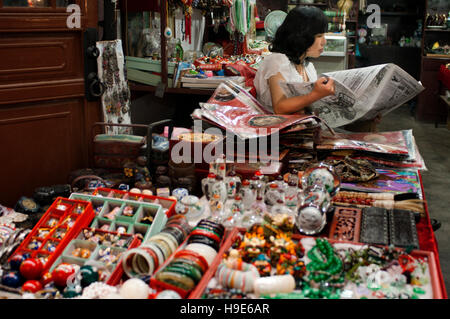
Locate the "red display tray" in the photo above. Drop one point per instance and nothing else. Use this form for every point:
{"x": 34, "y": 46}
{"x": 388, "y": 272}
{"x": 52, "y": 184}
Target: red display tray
{"x": 438, "y": 292}
{"x": 160, "y": 286}
{"x": 55, "y": 219}
{"x": 166, "y": 203}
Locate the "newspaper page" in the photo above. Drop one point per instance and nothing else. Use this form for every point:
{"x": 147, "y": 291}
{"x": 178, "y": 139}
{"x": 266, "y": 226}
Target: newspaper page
{"x": 232, "y": 108}
{"x": 361, "y": 93}
{"x": 398, "y": 87}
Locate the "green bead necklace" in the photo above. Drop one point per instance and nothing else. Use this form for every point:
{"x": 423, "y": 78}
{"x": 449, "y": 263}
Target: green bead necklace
{"x": 325, "y": 271}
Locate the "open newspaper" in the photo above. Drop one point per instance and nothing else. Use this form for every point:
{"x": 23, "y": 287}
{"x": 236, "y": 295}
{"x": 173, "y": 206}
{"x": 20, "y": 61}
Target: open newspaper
{"x": 233, "y": 109}
{"x": 360, "y": 94}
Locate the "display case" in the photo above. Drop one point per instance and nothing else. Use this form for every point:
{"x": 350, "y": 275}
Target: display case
{"x": 334, "y": 57}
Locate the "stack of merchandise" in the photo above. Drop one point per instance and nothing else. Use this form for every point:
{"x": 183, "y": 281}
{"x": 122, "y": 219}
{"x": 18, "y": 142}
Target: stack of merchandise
{"x": 232, "y": 109}
{"x": 382, "y": 149}
{"x": 375, "y": 163}
{"x": 208, "y": 82}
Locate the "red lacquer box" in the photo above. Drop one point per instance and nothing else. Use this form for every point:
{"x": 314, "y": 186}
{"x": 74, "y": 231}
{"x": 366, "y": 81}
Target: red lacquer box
{"x": 61, "y": 223}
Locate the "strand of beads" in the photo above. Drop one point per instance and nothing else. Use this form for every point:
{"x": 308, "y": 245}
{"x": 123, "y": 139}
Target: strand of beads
{"x": 325, "y": 272}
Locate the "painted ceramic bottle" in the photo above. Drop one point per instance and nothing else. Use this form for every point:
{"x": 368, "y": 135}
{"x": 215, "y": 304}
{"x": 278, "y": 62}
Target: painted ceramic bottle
{"x": 255, "y": 214}
{"x": 247, "y": 194}
{"x": 233, "y": 183}
{"x": 273, "y": 194}
{"x": 207, "y": 184}
{"x": 257, "y": 183}
{"x": 219, "y": 187}
{"x": 216, "y": 208}
{"x": 291, "y": 196}
{"x": 281, "y": 208}
{"x": 235, "y": 213}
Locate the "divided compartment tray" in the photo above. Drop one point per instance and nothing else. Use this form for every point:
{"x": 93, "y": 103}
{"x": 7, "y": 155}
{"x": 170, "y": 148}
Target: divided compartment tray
{"x": 116, "y": 270}
{"x": 167, "y": 204}
{"x": 59, "y": 211}
{"x": 112, "y": 206}
{"x": 159, "y": 219}
{"x": 232, "y": 237}
{"x": 99, "y": 222}
{"x": 83, "y": 244}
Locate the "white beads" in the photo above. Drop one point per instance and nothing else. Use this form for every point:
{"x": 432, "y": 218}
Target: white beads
{"x": 98, "y": 290}
{"x": 134, "y": 288}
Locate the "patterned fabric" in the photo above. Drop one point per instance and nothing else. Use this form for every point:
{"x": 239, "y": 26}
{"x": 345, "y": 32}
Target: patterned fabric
{"x": 116, "y": 98}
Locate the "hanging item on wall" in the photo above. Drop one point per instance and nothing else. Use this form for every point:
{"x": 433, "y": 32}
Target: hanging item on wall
{"x": 239, "y": 25}
{"x": 116, "y": 98}
{"x": 197, "y": 29}
{"x": 187, "y": 9}
{"x": 240, "y": 16}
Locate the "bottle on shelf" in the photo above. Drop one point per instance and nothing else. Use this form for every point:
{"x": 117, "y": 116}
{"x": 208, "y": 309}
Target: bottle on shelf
{"x": 257, "y": 183}
{"x": 291, "y": 195}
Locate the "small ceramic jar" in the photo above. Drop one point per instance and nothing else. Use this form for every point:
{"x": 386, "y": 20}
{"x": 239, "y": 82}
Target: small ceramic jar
{"x": 180, "y": 193}
{"x": 315, "y": 195}
{"x": 190, "y": 206}
{"x": 321, "y": 174}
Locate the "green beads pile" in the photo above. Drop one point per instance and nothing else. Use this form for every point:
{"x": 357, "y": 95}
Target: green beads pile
{"x": 325, "y": 269}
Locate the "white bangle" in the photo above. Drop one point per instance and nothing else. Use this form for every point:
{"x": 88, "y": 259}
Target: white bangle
{"x": 205, "y": 251}
{"x": 238, "y": 275}
{"x": 274, "y": 284}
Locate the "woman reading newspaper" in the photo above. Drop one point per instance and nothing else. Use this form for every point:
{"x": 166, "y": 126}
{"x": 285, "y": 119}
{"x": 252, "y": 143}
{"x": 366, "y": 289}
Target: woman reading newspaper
{"x": 299, "y": 38}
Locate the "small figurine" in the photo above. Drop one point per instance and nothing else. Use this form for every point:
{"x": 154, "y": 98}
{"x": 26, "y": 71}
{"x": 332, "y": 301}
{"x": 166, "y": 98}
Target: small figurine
{"x": 138, "y": 173}
{"x": 279, "y": 245}
{"x": 286, "y": 263}
{"x": 262, "y": 263}
{"x": 253, "y": 245}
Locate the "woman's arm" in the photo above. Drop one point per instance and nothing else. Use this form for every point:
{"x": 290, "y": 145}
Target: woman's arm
{"x": 283, "y": 105}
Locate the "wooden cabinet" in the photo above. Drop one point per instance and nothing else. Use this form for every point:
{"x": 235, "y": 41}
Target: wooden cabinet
{"x": 45, "y": 120}
{"x": 429, "y": 108}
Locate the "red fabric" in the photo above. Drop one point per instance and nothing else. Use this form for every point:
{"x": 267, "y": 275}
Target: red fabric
{"x": 444, "y": 76}
{"x": 427, "y": 240}
{"x": 242, "y": 69}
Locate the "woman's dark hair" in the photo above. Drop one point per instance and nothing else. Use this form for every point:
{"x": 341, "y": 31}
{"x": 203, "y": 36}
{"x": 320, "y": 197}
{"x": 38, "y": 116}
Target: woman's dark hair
{"x": 298, "y": 31}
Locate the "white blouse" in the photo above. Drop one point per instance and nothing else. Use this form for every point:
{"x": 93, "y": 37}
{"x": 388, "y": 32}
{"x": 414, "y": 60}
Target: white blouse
{"x": 270, "y": 66}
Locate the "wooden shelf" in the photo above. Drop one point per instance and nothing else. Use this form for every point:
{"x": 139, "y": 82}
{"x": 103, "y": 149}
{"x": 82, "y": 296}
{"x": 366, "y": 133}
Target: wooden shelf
{"x": 436, "y": 30}
{"x": 437, "y": 56}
